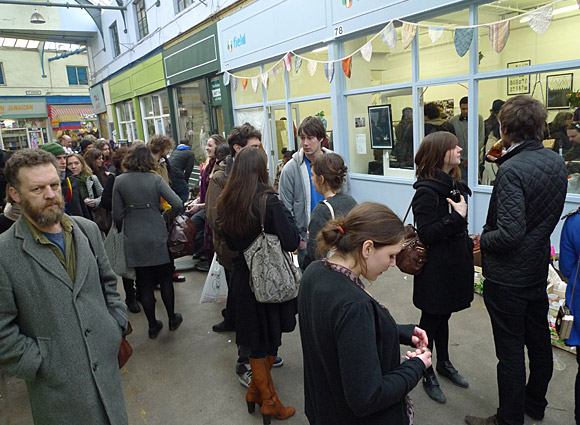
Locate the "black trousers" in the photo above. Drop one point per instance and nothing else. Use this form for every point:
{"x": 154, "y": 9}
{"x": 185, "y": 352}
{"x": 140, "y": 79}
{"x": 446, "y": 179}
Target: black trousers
{"x": 147, "y": 279}
{"x": 519, "y": 318}
{"x": 437, "y": 328}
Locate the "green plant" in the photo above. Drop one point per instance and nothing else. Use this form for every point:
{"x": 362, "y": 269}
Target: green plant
{"x": 573, "y": 98}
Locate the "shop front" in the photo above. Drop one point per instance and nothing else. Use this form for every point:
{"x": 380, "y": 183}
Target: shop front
{"x": 23, "y": 123}
{"x": 99, "y": 104}
{"x": 140, "y": 102}
{"x": 72, "y": 115}
{"x": 368, "y": 69}
{"x": 200, "y": 104}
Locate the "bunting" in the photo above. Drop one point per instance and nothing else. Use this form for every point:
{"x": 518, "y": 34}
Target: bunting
{"x": 329, "y": 71}
{"x": 297, "y": 63}
{"x": 288, "y": 62}
{"x": 498, "y": 35}
{"x": 462, "y": 39}
{"x": 409, "y": 31}
{"x": 226, "y": 78}
{"x": 255, "y": 84}
{"x": 389, "y": 35}
{"x": 265, "y": 80}
{"x": 540, "y": 19}
{"x": 367, "y": 51}
{"x": 435, "y": 33}
{"x": 311, "y": 67}
{"x": 244, "y": 83}
{"x": 346, "y": 64}
{"x": 235, "y": 83}
{"x": 275, "y": 70}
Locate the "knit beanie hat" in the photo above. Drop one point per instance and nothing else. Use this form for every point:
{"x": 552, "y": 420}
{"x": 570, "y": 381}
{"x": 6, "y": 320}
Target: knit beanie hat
{"x": 84, "y": 143}
{"x": 53, "y": 148}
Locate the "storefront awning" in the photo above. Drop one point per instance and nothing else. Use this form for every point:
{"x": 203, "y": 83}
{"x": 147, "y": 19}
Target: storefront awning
{"x": 64, "y": 117}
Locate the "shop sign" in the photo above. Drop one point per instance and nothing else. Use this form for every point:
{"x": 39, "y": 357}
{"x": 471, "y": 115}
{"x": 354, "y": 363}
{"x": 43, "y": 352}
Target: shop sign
{"x": 88, "y": 117}
{"x": 98, "y": 99}
{"x": 216, "y": 92}
{"x": 15, "y": 109}
{"x": 237, "y": 41}
{"x": 33, "y": 92}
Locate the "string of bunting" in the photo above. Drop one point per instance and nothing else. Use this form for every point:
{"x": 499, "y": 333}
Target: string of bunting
{"x": 539, "y": 21}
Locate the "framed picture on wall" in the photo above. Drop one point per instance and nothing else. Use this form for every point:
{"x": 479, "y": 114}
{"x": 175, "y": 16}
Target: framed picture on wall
{"x": 381, "y": 126}
{"x": 518, "y": 84}
{"x": 557, "y": 86}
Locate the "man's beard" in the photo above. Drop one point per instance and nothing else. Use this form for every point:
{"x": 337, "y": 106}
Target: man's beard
{"x": 43, "y": 216}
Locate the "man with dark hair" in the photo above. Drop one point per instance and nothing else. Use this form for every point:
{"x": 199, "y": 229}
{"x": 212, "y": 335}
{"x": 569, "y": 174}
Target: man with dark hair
{"x": 296, "y": 187}
{"x": 572, "y": 156}
{"x": 526, "y": 203}
{"x": 433, "y": 120}
{"x": 181, "y": 164}
{"x": 62, "y": 318}
{"x": 459, "y": 123}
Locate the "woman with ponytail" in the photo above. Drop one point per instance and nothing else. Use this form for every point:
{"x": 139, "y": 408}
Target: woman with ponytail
{"x": 351, "y": 344}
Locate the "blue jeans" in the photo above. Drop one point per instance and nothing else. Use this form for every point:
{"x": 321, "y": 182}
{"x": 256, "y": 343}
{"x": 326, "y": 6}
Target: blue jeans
{"x": 181, "y": 188}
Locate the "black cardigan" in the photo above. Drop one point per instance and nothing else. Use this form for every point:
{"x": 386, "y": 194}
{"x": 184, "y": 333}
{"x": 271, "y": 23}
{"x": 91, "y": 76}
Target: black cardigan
{"x": 352, "y": 369}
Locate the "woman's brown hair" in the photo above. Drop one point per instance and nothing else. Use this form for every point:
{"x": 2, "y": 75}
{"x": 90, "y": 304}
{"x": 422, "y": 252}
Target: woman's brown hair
{"x": 237, "y": 205}
{"x": 331, "y": 167}
{"x": 139, "y": 158}
{"x": 91, "y": 157}
{"x": 367, "y": 221}
{"x": 431, "y": 154}
{"x": 86, "y": 169}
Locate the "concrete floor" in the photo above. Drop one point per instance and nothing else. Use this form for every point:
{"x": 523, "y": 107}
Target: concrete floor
{"x": 187, "y": 376}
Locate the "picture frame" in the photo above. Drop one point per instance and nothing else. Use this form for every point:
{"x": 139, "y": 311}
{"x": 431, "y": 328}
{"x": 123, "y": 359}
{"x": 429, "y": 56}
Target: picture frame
{"x": 557, "y": 86}
{"x": 381, "y": 126}
{"x": 518, "y": 84}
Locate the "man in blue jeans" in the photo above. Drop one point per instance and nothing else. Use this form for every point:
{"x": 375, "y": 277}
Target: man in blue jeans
{"x": 526, "y": 203}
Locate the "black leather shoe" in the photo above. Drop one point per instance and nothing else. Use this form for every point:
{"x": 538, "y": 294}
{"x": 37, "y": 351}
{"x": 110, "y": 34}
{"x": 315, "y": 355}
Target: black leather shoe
{"x": 133, "y": 306}
{"x": 432, "y": 388}
{"x": 474, "y": 420}
{"x": 534, "y": 415}
{"x": 446, "y": 369}
{"x": 174, "y": 324}
{"x": 221, "y": 327}
{"x": 154, "y": 331}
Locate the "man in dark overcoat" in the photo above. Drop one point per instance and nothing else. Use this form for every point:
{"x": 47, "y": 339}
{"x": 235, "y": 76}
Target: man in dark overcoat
{"x": 61, "y": 318}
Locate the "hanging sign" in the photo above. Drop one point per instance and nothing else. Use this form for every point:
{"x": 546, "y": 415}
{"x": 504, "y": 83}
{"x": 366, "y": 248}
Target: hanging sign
{"x": 216, "y": 92}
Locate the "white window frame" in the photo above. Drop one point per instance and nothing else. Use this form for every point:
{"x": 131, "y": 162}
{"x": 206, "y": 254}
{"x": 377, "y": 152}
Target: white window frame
{"x": 129, "y": 111}
{"x": 115, "y": 44}
{"x": 161, "y": 118}
{"x": 2, "y": 74}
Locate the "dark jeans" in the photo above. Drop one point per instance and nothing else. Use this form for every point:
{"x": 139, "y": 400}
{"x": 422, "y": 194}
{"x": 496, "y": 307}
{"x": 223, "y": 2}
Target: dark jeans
{"x": 181, "y": 189}
{"x": 147, "y": 279}
{"x": 199, "y": 222}
{"x": 519, "y": 318}
{"x": 437, "y": 328}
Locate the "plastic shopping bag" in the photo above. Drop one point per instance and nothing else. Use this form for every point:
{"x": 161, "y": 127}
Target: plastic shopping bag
{"x": 215, "y": 289}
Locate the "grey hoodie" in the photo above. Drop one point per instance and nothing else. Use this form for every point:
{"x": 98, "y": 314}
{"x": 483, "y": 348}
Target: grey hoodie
{"x": 294, "y": 190}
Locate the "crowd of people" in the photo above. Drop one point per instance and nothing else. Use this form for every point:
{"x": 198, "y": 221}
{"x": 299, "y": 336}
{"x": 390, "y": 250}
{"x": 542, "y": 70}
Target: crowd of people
{"x": 54, "y": 269}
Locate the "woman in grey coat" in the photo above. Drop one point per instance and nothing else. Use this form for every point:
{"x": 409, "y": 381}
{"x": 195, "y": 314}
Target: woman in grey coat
{"x": 137, "y": 197}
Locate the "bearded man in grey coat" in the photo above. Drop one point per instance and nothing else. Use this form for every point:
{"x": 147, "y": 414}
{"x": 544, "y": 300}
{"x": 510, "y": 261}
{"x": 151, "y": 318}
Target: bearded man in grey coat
{"x": 61, "y": 318}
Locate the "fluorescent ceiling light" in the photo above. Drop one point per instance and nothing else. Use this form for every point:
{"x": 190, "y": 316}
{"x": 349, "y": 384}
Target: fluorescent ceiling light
{"x": 555, "y": 12}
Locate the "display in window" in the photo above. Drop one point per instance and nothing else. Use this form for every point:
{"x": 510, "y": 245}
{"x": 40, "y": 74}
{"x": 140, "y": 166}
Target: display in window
{"x": 557, "y": 88}
{"x": 518, "y": 84}
{"x": 381, "y": 128}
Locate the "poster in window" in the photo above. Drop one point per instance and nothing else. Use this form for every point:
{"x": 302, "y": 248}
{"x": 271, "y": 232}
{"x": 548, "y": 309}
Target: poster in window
{"x": 557, "y": 86}
{"x": 518, "y": 84}
{"x": 381, "y": 126}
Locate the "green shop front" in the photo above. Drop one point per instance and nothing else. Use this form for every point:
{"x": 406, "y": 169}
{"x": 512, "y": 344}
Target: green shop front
{"x": 200, "y": 103}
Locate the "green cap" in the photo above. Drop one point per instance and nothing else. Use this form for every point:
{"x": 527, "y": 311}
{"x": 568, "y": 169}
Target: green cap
{"x": 54, "y": 148}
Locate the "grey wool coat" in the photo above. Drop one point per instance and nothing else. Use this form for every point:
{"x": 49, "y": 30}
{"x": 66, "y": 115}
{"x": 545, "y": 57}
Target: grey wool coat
{"x": 137, "y": 201}
{"x": 59, "y": 335}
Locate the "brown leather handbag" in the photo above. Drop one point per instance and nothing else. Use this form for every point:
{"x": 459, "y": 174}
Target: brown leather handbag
{"x": 125, "y": 350}
{"x": 413, "y": 256}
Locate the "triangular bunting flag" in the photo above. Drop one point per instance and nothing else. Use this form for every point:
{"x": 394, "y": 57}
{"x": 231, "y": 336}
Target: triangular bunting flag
{"x": 329, "y": 71}
{"x": 389, "y": 35}
{"x": 462, "y": 39}
{"x": 435, "y": 33}
{"x": 498, "y": 35}
{"x": 234, "y": 83}
{"x": 367, "y": 51}
{"x": 541, "y": 18}
{"x": 311, "y": 67}
{"x": 265, "y": 80}
{"x": 275, "y": 71}
{"x": 297, "y": 63}
{"x": 244, "y": 83}
{"x": 346, "y": 64}
{"x": 226, "y": 78}
{"x": 288, "y": 62}
{"x": 409, "y": 31}
{"x": 255, "y": 84}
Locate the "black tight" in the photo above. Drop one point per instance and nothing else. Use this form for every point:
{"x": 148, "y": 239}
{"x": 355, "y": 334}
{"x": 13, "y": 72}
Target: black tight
{"x": 147, "y": 279}
{"x": 437, "y": 328}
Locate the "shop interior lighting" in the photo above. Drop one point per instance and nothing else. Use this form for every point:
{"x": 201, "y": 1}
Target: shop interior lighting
{"x": 566, "y": 9}
{"x": 9, "y": 42}
{"x": 37, "y": 18}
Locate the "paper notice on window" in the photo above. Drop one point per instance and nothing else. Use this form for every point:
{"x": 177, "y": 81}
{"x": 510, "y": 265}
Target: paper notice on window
{"x": 361, "y": 144}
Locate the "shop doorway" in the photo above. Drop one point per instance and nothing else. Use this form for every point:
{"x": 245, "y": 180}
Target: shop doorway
{"x": 280, "y": 130}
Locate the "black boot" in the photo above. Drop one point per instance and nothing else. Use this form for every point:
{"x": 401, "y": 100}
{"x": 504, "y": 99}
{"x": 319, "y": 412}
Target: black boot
{"x": 432, "y": 388}
{"x": 446, "y": 369}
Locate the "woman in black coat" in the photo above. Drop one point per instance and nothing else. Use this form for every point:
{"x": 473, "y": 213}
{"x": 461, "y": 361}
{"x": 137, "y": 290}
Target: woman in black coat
{"x": 258, "y": 325}
{"x": 446, "y": 283}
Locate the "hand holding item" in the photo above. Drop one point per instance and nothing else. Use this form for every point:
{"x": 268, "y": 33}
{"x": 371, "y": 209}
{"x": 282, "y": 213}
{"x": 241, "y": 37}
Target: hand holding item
{"x": 424, "y": 354}
{"x": 495, "y": 152}
{"x": 460, "y": 207}
{"x": 90, "y": 202}
{"x": 419, "y": 338}
{"x": 194, "y": 208}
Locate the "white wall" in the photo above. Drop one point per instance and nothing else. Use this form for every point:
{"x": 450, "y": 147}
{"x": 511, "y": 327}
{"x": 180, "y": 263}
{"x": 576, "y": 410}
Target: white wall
{"x": 23, "y": 71}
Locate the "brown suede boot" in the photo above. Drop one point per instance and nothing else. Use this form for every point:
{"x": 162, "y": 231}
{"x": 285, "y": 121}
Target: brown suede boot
{"x": 253, "y": 395}
{"x": 271, "y": 405}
